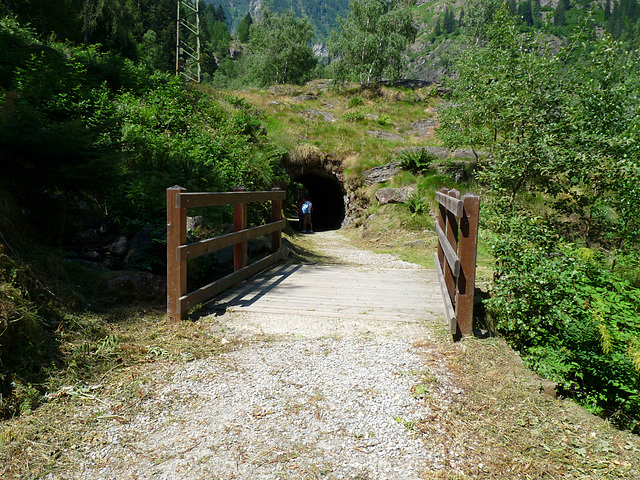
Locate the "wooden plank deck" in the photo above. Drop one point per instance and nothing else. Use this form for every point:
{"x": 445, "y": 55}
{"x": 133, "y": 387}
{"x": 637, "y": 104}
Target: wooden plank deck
{"x": 334, "y": 297}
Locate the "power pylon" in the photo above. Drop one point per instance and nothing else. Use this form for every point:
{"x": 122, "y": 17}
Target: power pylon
{"x": 188, "y": 40}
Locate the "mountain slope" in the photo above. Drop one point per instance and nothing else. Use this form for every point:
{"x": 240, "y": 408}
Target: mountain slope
{"x": 321, "y": 13}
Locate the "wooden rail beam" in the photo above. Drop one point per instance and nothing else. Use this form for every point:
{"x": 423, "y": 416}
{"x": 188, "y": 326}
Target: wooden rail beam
{"x": 202, "y": 247}
{"x": 452, "y": 204}
{"x": 449, "y": 254}
{"x": 452, "y": 240}
{"x": 239, "y": 195}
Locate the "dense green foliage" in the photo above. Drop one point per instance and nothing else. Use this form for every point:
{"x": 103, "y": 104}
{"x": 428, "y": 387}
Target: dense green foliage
{"x": 70, "y": 113}
{"x": 141, "y": 30}
{"x": 280, "y": 49}
{"x": 369, "y": 43}
{"x": 574, "y": 320}
{"x": 243, "y": 28}
{"x": 417, "y": 161}
{"x": 563, "y": 190}
{"x": 90, "y": 137}
{"x": 24, "y": 343}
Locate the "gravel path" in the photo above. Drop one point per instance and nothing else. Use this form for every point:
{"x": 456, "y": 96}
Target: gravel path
{"x": 287, "y": 406}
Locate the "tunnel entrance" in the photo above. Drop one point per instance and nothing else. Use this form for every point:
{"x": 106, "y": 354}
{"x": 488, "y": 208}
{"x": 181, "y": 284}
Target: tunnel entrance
{"x": 326, "y": 193}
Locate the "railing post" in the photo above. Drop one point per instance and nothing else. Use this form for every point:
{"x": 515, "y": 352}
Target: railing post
{"x": 239, "y": 223}
{"x": 276, "y": 237}
{"x": 176, "y": 268}
{"x": 452, "y": 236}
{"x": 467, "y": 253}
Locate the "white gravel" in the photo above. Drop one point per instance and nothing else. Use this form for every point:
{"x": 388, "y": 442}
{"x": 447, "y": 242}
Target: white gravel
{"x": 282, "y": 407}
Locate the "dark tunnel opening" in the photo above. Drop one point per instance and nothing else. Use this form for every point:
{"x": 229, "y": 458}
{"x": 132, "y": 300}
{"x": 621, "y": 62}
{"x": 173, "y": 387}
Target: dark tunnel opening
{"x": 326, "y": 193}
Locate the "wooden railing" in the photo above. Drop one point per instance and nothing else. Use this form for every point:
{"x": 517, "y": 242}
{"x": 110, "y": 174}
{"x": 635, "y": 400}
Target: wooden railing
{"x": 178, "y": 251}
{"x": 455, "y": 260}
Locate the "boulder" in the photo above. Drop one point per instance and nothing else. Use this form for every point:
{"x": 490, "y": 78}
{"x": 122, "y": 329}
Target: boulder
{"x": 385, "y": 135}
{"x": 194, "y": 223}
{"x": 328, "y": 117}
{"x": 381, "y": 174}
{"x": 91, "y": 255}
{"x": 138, "y": 286}
{"x": 304, "y": 98}
{"x": 119, "y": 246}
{"x": 394, "y": 195}
{"x": 141, "y": 248}
{"x": 87, "y": 237}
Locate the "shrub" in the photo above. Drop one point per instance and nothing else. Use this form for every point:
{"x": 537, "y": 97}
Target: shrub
{"x": 355, "y": 102}
{"x": 417, "y": 161}
{"x": 355, "y": 116}
{"x": 23, "y": 346}
{"x": 383, "y": 120}
{"x": 573, "y": 320}
{"x": 418, "y": 204}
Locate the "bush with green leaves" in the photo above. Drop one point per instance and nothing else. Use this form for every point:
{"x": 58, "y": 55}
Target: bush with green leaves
{"x": 355, "y": 101}
{"x": 562, "y": 130}
{"x": 418, "y": 204}
{"x": 417, "y": 160}
{"x": 383, "y": 120}
{"x": 574, "y": 320}
{"x": 24, "y": 343}
{"x": 79, "y": 122}
{"x": 355, "y": 116}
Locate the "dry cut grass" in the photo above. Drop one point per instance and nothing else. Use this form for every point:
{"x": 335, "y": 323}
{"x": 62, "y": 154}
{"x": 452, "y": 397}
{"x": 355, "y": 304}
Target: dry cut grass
{"x": 105, "y": 379}
{"x": 508, "y": 423}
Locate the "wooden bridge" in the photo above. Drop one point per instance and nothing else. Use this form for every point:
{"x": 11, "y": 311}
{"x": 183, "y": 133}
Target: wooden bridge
{"x": 333, "y": 293}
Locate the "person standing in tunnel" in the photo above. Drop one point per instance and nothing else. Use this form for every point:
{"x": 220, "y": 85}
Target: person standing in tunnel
{"x": 306, "y": 209}
{"x": 300, "y": 214}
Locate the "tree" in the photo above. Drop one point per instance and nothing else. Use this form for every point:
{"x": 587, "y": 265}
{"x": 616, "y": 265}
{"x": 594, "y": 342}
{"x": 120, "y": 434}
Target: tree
{"x": 437, "y": 30}
{"x": 563, "y": 176}
{"x": 449, "y": 21}
{"x": 279, "y": 48}
{"x": 525, "y": 11}
{"x": 537, "y": 14}
{"x": 501, "y": 102}
{"x": 150, "y": 51}
{"x": 244, "y": 26}
{"x": 369, "y": 43}
{"x": 559, "y": 19}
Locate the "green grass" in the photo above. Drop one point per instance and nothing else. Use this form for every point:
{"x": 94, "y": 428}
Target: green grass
{"x": 289, "y": 122}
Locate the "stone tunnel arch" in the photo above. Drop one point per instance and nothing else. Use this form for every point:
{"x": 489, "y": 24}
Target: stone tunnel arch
{"x": 327, "y": 194}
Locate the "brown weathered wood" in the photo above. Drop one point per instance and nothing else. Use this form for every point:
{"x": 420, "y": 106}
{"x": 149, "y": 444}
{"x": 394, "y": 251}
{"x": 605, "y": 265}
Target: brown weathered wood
{"x": 203, "y": 247}
{"x": 453, "y": 205}
{"x": 468, "y": 249}
{"x": 211, "y": 199}
{"x": 452, "y": 238}
{"x": 176, "y": 267}
{"x": 276, "y": 211}
{"x": 178, "y": 301}
{"x": 202, "y": 294}
{"x": 239, "y": 223}
{"x": 450, "y": 255}
{"x": 442, "y": 221}
{"x": 449, "y": 311}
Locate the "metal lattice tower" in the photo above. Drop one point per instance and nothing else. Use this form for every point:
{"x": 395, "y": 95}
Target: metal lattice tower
{"x": 188, "y": 40}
